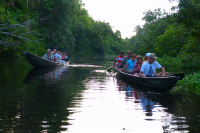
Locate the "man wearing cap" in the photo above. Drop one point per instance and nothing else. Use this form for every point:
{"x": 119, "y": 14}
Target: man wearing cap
{"x": 118, "y": 59}
{"x": 149, "y": 67}
{"x": 48, "y": 55}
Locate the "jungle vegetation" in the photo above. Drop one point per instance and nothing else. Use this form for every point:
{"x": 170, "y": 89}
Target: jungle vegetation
{"x": 35, "y": 25}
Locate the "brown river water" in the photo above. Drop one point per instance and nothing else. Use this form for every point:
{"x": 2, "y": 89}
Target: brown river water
{"x": 84, "y": 98}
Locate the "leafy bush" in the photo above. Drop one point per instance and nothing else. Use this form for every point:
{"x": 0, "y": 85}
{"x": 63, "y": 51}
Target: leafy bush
{"x": 172, "y": 61}
{"x": 190, "y": 83}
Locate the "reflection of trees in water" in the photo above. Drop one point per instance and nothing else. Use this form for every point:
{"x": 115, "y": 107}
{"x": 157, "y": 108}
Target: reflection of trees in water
{"x": 37, "y": 107}
{"x": 186, "y": 116}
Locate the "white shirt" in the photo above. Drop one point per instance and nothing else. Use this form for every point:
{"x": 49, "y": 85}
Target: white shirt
{"x": 149, "y": 69}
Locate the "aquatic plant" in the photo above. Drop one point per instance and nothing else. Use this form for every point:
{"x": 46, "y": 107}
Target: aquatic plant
{"x": 189, "y": 83}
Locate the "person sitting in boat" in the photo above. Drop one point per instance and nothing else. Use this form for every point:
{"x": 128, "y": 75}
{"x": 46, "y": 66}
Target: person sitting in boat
{"x": 118, "y": 59}
{"x": 126, "y": 58}
{"x": 58, "y": 58}
{"x": 67, "y": 54}
{"x": 63, "y": 55}
{"x": 149, "y": 67}
{"x": 137, "y": 66}
{"x": 129, "y": 64}
{"x": 55, "y": 59}
{"x": 48, "y": 55}
{"x": 146, "y": 58}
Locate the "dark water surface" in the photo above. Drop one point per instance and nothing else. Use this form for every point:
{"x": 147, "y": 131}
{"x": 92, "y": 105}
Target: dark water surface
{"x": 83, "y": 98}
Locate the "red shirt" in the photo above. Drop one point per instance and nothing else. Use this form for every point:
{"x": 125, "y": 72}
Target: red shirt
{"x": 119, "y": 59}
{"x": 136, "y": 66}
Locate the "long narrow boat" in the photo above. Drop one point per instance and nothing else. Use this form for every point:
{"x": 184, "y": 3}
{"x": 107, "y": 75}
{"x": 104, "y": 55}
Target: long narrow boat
{"x": 66, "y": 59}
{"x": 160, "y": 84}
{"x": 37, "y": 61}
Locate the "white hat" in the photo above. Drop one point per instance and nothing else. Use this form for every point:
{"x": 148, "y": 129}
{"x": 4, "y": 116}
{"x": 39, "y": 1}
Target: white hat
{"x": 147, "y": 54}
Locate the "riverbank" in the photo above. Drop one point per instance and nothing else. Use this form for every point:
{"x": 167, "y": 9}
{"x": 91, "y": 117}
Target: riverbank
{"x": 191, "y": 81}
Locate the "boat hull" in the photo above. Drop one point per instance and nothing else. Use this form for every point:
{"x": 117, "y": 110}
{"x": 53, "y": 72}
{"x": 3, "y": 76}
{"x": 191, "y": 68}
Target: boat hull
{"x": 66, "y": 59}
{"x": 161, "y": 84}
{"x": 39, "y": 62}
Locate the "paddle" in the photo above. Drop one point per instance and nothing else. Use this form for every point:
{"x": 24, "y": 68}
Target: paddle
{"x": 109, "y": 69}
{"x": 112, "y": 69}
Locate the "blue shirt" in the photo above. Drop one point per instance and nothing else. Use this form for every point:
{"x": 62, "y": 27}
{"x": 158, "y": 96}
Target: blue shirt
{"x": 58, "y": 56}
{"x": 130, "y": 63}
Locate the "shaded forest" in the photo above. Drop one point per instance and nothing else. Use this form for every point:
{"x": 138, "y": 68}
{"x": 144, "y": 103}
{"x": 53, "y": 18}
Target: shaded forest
{"x": 35, "y": 25}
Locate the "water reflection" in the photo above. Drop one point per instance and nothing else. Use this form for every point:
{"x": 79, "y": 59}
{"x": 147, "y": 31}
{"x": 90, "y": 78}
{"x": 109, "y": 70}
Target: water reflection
{"x": 111, "y": 105}
{"x": 154, "y": 104}
{"x": 51, "y": 75}
{"x": 86, "y": 99}
{"x": 114, "y": 105}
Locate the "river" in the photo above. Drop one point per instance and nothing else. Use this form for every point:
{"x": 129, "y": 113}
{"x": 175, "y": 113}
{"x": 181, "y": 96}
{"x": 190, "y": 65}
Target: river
{"x": 84, "y": 98}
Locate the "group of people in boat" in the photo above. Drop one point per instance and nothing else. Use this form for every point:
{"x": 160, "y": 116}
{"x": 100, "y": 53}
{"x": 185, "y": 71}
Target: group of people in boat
{"x": 56, "y": 56}
{"x": 134, "y": 65}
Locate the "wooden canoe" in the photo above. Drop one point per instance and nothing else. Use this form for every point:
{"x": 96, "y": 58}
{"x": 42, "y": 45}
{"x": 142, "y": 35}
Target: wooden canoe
{"x": 160, "y": 84}
{"x": 66, "y": 59}
{"x": 39, "y": 62}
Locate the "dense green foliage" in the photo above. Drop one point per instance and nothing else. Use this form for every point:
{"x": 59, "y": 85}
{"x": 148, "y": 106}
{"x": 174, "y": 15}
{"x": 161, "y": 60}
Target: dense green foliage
{"x": 191, "y": 80}
{"x": 17, "y": 31}
{"x": 175, "y": 35}
{"x": 190, "y": 83}
{"x": 33, "y": 26}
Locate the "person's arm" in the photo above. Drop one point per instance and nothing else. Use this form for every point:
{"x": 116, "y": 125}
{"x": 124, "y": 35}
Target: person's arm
{"x": 45, "y": 57}
{"x": 120, "y": 65}
{"x": 124, "y": 67}
{"x": 55, "y": 59}
{"x": 163, "y": 72}
{"x": 114, "y": 63}
{"x": 141, "y": 74}
{"x": 142, "y": 70}
{"x": 155, "y": 72}
{"x": 59, "y": 57}
{"x": 122, "y": 62}
{"x": 136, "y": 70}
